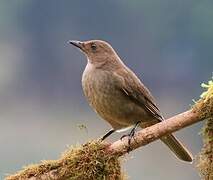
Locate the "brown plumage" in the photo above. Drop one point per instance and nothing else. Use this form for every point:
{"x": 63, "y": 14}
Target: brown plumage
{"x": 118, "y": 96}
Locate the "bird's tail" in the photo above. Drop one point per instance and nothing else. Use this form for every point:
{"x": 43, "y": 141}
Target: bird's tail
{"x": 177, "y": 148}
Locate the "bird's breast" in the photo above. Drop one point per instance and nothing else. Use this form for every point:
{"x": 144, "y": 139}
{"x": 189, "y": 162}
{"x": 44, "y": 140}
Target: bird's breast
{"x": 102, "y": 91}
{"x": 99, "y": 89}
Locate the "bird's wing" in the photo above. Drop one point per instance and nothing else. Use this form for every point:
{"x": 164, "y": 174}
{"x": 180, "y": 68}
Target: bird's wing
{"x": 137, "y": 92}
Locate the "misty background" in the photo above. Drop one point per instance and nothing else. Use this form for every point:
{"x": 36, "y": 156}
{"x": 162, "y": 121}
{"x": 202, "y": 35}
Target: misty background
{"x": 167, "y": 43}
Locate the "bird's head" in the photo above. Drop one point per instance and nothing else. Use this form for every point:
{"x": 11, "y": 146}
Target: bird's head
{"x": 97, "y": 51}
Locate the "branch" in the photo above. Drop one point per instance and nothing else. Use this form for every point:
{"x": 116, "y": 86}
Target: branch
{"x": 152, "y": 133}
{"x": 62, "y": 169}
{"x": 205, "y": 157}
{"x": 97, "y": 160}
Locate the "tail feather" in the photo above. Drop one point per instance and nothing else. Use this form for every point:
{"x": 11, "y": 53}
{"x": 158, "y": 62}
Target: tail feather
{"x": 177, "y": 148}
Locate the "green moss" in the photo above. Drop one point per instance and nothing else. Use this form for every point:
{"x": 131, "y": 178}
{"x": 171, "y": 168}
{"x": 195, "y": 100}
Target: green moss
{"x": 205, "y": 105}
{"x": 208, "y": 94}
{"x": 90, "y": 161}
{"x": 205, "y": 157}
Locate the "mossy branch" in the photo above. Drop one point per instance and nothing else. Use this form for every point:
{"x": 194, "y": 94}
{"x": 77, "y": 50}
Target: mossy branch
{"x": 98, "y": 160}
{"x": 205, "y": 157}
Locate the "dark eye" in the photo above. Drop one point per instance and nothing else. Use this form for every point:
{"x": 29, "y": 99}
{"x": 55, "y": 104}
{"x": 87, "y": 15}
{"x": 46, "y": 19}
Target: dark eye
{"x": 93, "y": 46}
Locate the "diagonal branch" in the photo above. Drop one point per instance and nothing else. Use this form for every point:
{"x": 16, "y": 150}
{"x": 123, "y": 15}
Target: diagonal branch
{"x": 53, "y": 170}
{"x": 96, "y": 160}
{"x": 152, "y": 133}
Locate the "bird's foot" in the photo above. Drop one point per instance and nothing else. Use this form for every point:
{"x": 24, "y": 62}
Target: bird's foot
{"x": 130, "y": 136}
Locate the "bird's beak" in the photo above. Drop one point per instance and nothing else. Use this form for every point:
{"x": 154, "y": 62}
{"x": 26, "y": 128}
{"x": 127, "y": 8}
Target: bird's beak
{"x": 77, "y": 44}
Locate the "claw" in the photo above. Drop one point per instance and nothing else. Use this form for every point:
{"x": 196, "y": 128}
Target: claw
{"x": 125, "y": 135}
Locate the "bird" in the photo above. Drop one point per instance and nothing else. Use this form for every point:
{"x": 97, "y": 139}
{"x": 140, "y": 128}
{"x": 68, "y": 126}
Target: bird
{"x": 118, "y": 96}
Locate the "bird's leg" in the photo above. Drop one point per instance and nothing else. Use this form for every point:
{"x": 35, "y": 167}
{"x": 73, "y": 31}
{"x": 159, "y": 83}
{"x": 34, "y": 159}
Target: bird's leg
{"x": 131, "y": 134}
{"x": 108, "y": 134}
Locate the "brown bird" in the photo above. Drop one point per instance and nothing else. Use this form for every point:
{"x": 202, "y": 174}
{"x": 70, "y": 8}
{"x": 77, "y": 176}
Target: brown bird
{"x": 118, "y": 96}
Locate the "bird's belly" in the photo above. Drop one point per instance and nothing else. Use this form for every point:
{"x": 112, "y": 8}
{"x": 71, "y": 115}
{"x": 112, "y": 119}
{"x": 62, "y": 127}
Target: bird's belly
{"x": 111, "y": 103}
{"x": 118, "y": 110}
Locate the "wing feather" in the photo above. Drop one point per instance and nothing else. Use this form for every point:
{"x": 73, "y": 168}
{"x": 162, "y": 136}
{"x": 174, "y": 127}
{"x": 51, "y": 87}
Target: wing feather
{"x": 137, "y": 92}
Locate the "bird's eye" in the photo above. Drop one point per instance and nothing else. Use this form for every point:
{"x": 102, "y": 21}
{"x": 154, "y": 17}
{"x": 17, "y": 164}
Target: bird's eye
{"x": 93, "y": 46}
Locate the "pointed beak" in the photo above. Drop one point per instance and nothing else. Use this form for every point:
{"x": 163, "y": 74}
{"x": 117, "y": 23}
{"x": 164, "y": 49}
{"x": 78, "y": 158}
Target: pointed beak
{"x": 77, "y": 44}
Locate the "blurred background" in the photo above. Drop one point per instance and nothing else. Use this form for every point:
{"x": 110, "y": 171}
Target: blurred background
{"x": 167, "y": 43}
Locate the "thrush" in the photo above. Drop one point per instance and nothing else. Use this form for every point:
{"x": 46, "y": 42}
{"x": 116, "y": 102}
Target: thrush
{"x": 117, "y": 94}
